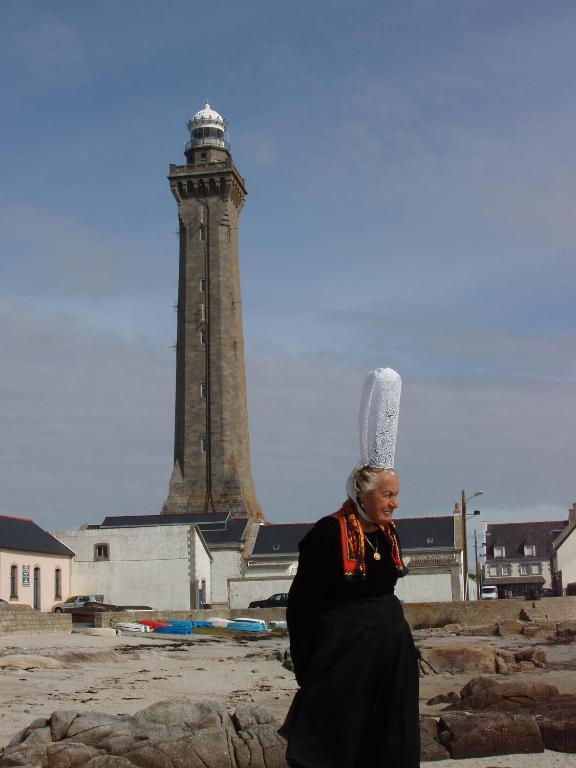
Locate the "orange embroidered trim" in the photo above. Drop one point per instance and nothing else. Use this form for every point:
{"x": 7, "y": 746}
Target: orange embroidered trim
{"x": 352, "y": 541}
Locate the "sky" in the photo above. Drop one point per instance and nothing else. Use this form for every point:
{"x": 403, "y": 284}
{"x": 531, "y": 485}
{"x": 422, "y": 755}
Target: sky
{"x": 411, "y": 182}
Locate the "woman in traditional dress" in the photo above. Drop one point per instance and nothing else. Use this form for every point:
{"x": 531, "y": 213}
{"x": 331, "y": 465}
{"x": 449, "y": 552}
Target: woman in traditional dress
{"x": 352, "y": 650}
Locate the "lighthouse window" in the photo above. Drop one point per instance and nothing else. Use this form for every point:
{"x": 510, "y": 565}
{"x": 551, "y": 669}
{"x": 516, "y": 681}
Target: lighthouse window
{"x": 203, "y": 390}
{"x": 203, "y": 234}
{"x": 204, "y": 337}
{"x": 201, "y": 214}
{"x": 203, "y": 285}
{"x": 204, "y": 444}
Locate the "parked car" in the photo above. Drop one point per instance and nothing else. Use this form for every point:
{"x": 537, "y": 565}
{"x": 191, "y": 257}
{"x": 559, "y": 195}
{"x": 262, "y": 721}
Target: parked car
{"x": 548, "y": 593}
{"x": 279, "y": 600}
{"x": 76, "y": 601}
{"x": 4, "y": 602}
{"x": 489, "y": 593}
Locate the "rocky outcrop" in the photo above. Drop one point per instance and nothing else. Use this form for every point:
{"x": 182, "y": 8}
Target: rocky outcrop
{"x": 168, "y": 733}
{"x": 458, "y": 659}
{"x": 484, "y": 735}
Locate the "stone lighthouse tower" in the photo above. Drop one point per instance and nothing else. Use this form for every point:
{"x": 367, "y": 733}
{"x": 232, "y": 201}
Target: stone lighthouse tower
{"x": 211, "y": 447}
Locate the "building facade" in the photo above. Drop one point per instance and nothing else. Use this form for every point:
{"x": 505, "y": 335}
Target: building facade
{"x": 519, "y": 557}
{"x": 564, "y": 557}
{"x": 212, "y": 471}
{"x": 163, "y": 562}
{"x": 431, "y": 547}
{"x": 34, "y": 566}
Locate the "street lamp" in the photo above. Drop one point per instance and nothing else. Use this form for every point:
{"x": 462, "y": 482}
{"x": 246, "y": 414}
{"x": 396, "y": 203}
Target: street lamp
{"x": 464, "y": 535}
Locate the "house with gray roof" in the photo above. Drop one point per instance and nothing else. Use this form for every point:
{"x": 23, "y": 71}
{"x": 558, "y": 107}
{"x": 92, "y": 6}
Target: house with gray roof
{"x": 34, "y": 566}
{"x": 518, "y": 557}
{"x": 432, "y": 549}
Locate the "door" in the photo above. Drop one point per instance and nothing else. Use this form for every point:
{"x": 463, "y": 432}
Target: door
{"x": 37, "y": 588}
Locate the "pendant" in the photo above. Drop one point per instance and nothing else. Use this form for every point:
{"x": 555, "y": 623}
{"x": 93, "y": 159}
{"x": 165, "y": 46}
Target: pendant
{"x": 376, "y": 555}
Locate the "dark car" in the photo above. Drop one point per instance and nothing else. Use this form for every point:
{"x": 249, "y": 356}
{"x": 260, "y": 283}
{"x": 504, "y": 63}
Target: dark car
{"x": 279, "y": 600}
{"x": 4, "y": 602}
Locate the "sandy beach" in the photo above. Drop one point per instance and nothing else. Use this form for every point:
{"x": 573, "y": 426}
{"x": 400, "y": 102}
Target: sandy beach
{"x": 124, "y": 674}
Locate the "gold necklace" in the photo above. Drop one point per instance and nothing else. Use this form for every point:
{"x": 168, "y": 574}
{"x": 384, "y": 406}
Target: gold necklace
{"x": 376, "y": 555}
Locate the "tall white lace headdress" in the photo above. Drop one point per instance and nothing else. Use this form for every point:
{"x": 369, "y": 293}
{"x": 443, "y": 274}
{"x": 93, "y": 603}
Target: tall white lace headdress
{"x": 379, "y": 410}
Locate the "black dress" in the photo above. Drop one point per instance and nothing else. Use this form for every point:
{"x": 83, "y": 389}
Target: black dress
{"x": 354, "y": 658}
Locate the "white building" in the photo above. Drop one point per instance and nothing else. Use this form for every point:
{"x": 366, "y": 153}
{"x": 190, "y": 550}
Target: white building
{"x": 158, "y": 560}
{"x": 564, "y": 557}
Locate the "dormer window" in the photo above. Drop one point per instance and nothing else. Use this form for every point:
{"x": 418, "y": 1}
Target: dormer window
{"x": 500, "y": 551}
{"x": 429, "y": 540}
{"x": 529, "y": 550}
{"x": 275, "y": 547}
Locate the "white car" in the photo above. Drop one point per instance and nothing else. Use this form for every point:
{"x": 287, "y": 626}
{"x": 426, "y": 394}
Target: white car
{"x": 77, "y": 601}
{"x": 489, "y": 593}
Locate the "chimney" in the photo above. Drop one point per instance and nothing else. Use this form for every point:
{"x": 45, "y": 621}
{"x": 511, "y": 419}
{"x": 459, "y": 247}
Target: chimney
{"x": 458, "y": 532}
{"x": 572, "y": 514}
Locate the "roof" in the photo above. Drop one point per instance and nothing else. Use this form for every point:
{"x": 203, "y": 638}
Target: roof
{"x": 24, "y": 535}
{"x": 282, "y": 539}
{"x": 426, "y": 532}
{"x": 495, "y": 580}
{"x": 206, "y": 519}
{"x": 216, "y": 530}
{"x": 279, "y": 539}
{"x": 513, "y": 537}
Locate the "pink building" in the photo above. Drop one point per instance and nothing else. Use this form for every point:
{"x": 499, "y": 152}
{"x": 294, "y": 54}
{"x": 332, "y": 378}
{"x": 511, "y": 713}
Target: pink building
{"x": 34, "y": 566}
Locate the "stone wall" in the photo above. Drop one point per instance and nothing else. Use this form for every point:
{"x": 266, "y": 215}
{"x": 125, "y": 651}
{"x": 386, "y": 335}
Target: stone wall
{"x": 25, "y": 621}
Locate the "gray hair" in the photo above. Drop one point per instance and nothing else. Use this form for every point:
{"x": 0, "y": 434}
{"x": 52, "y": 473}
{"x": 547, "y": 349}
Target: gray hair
{"x": 365, "y": 478}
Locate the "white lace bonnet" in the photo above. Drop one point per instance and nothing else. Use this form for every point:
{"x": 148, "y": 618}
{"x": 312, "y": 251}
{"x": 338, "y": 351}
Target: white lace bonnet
{"x": 379, "y": 410}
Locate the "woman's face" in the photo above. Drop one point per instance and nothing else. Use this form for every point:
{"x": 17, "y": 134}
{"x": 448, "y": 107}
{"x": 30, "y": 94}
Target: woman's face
{"x": 379, "y": 504}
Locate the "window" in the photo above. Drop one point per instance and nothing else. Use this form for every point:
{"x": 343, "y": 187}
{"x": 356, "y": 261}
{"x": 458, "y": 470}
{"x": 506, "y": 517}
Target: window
{"x": 203, "y": 234}
{"x": 202, "y": 313}
{"x": 429, "y": 540}
{"x": 203, "y": 390}
{"x": 536, "y": 569}
{"x": 201, "y": 214}
{"x": 204, "y": 444}
{"x": 529, "y": 550}
{"x": 14, "y": 582}
{"x": 506, "y": 570}
{"x": 524, "y": 569}
{"x": 494, "y": 570}
{"x": 101, "y": 552}
{"x": 204, "y": 337}
{"x": 275, "y": 547}
{"x": 203, "y": 285}
{"x": 58, "y": 584}
{"x": 500, "y": 551}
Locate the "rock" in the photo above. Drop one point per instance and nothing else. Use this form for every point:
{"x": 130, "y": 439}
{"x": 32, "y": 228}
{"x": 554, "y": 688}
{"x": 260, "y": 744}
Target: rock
{"x": 60, "y": 721}
{"x": 507, "y": 628}
{"x": 456, "y": 659}
{"x": 567, "y": 625}
{"x": 92, "y": 728}
{"x": 501, "y": 667}
{"x": 485, "y": 735}
{"x": 31, "y": 749}
{"x": 559, "y": 731}
{"x": 25, "y": 661}
{"x": 483, "y": 630}
{"x": 430, "y": 746}
{"x": 507, "y": 656}
{"x": 69, "y": 754}
{"x": 167, "y": 734}
{"x": 444, "y": 698}
{"x": 508, "y": 696}
{"x": 455, "y": 629}
{"x": 534, "y": 656}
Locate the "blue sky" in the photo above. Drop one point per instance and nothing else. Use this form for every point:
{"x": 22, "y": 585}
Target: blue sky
{"x": 411, "y": 183}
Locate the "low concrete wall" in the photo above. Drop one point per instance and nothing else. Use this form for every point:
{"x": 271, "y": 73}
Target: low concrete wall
{"x": 25, "y": 621}
{"x": 418, "y": 615}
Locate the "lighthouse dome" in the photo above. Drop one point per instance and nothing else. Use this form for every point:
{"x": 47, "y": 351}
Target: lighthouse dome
{"x": 207, "y": 128}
